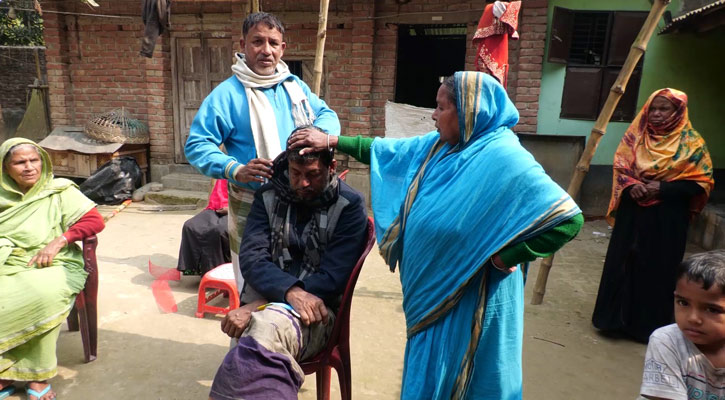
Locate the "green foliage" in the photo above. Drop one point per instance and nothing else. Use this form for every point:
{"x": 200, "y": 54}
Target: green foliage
{"x": 26, "y": 29}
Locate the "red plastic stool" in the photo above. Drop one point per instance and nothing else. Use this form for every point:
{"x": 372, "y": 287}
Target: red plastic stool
{"x": 220, "y": 278}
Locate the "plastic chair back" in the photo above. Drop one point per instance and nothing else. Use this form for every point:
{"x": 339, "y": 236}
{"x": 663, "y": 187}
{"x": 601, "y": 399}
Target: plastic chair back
{"x": 337, "y": 352}
{"x": 85, "y": 308}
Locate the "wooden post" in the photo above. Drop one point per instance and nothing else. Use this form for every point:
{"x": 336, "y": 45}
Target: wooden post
{"x": 43, "y": 90}
{"x": 319, "y": 53}
{"x": 600, "y": 126}
{"x": 255, "y": 6}
{"x": 38, "y": 73}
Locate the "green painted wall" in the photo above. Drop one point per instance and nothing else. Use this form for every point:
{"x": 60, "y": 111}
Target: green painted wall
{"x": 693, "y": 63}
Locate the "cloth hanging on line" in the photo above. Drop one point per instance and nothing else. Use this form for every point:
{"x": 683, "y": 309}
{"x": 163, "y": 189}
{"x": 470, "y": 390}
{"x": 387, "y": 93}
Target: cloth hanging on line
{"x": 491, "y": 40}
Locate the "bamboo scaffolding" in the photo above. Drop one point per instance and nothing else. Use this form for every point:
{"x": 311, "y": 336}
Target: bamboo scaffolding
{"x": 600, "y": 126}
{"x": 320, "y": 51}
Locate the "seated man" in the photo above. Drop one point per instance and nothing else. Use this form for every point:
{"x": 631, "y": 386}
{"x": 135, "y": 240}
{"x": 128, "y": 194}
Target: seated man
{"x": 305, "y": 231}
{"x": 204, "y": 237}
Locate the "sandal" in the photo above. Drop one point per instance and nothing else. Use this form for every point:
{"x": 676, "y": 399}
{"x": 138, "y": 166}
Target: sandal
{"x": 38, "y": 395}
{"x": 7, "y": 391}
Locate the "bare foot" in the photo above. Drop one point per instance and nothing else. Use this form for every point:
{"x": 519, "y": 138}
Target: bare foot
{"x": 39, "y": 387}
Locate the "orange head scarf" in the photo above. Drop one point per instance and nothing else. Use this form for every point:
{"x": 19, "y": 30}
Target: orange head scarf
{"x": 667, "y": 152}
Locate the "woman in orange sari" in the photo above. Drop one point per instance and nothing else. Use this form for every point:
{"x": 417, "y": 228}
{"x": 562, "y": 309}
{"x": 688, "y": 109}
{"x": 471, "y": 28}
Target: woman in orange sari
{"x": 662, "y": 177}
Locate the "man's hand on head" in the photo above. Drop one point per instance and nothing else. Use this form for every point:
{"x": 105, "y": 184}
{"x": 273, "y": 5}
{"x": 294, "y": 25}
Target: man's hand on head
{"x": 256, "y": 170}
{"x": 311, "y": 140}
{"x": 310, "y": 307}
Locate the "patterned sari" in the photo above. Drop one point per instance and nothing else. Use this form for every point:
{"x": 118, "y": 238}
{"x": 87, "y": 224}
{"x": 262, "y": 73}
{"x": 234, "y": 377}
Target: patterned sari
{"x": 669, "y": 152}
{"x": 491, "y": 40}
{"x": 441, "y": 212}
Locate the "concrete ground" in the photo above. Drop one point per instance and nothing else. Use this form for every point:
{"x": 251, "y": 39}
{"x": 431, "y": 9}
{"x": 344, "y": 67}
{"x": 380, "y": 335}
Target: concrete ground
{"x": 144, "y": 353}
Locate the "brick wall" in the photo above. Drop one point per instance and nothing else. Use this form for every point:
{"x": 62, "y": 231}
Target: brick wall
{"x": 527, "y": 63}
{"x": 94, "y": 67}
{"x": 94, "y": 64}
{"x": 17, "y": 71}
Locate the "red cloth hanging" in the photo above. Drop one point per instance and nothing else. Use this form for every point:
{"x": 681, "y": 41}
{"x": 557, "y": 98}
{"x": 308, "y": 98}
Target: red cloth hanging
{"x": 491, "y": 38}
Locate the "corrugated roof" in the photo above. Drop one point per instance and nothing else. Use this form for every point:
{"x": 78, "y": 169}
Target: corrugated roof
{"x": 692, "y": 16}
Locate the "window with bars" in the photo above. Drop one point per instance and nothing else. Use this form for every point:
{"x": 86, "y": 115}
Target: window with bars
{"x": 594, "y": 46}
{"x": 295, "y": 68}
{"x": 304, "y": 69}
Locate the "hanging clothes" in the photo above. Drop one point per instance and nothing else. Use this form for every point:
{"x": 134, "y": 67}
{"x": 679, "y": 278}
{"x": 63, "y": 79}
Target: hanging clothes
{"x": 155, "y": 15}
{"x": 491, "y": 39}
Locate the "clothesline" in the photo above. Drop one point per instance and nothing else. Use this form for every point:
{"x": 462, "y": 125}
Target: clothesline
{"x": 73, "y": 13}
{"x": 331, "y": 19}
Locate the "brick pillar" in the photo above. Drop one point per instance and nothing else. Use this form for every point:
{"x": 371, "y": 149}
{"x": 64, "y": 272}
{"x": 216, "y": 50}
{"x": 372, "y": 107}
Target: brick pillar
{"x": 386, "y": 47}
{"x": 159, "y": 101}
{"x": 56, "y": 36}
{"x": 239, "y": 12}
{"x": 353, "y": 88}
{"x": 360, "y": 82}
{"x": 530, "y": 54}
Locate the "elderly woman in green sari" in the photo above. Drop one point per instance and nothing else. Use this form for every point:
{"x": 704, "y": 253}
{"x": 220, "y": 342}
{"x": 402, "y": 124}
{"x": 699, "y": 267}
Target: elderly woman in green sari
{"x": 41, "y": 267}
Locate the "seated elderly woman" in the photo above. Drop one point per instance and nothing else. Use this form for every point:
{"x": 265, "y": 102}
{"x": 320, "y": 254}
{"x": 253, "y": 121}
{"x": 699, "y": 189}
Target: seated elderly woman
{"x": 41, "y": 267}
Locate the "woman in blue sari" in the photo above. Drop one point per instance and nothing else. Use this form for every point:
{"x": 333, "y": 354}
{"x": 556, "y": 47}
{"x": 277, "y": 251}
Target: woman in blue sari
{"x": 458, "y": 209}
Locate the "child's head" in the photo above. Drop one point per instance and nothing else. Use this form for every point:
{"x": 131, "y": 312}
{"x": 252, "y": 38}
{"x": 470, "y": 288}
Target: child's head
{"x": 700, "y": 298}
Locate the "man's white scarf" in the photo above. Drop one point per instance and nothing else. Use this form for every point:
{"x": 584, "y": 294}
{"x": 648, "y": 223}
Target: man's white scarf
{"x": 261, "y": 112}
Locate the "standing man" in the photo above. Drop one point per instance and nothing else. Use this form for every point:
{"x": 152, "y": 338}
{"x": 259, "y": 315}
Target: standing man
{"x": 252, "y": 114}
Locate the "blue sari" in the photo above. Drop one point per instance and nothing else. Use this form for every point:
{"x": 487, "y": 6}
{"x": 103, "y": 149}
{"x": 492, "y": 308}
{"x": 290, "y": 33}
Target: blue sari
{"x": 441, "y": 212}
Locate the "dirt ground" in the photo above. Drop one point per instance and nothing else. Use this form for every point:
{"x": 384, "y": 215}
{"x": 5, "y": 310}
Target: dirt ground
{"x": 144, "y": 353}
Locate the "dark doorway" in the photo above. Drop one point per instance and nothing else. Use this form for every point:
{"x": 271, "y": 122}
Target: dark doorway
{"x": 425, "y": 54}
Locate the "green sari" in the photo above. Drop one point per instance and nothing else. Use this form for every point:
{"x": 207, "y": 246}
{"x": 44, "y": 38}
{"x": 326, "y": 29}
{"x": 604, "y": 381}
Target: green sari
{"x": 35, "y": 301}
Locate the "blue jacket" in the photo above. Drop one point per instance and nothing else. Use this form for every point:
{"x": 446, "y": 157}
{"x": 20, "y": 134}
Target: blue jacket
{"x": 223, "y": 118}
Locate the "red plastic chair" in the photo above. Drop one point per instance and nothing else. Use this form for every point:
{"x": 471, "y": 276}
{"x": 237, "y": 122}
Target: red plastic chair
{"x": 85, "y": 308}
{"x": 337, "y": 352}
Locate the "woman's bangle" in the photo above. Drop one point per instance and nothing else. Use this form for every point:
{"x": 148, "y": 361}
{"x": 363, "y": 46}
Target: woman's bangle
{"x": 64, "y": 239}
{"x": 328, "y": 141}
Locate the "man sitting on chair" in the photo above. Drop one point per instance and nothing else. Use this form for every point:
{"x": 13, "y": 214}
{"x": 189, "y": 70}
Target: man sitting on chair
{"x": 304, "y": 234}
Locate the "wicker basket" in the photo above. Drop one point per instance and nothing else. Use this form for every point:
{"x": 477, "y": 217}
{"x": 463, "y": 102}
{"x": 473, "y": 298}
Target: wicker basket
{"x": 116, "y": 126}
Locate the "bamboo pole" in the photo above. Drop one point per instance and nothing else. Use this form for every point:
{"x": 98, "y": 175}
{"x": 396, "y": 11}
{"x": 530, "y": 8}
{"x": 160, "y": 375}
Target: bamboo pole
{"x": 600, "y": 126}
{"x": 255, "y": 6}
{"x": 43, "y": 90}
{"x": 319, "y": 53}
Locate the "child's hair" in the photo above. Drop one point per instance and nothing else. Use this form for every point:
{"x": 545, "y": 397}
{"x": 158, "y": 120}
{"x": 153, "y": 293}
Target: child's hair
{"x": 708, "y": 268}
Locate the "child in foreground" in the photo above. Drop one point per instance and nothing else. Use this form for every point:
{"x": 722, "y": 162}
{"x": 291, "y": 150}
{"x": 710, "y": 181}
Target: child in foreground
{"x": 686, "y": 360}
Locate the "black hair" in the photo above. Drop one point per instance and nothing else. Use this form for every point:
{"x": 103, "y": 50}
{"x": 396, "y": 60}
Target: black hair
{"x": 325, "y": 156}
{"x": 261, "y": 17}
{"x": 708, "y": 268}
{"x": 449, "y": 83}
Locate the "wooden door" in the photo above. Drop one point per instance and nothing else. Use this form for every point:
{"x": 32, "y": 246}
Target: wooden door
{"x": 199, "y": 65}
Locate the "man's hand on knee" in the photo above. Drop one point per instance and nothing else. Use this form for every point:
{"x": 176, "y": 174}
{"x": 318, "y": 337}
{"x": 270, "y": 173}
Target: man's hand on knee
{"x": 236, "y": 321}
{"x": 310, "y": 307}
